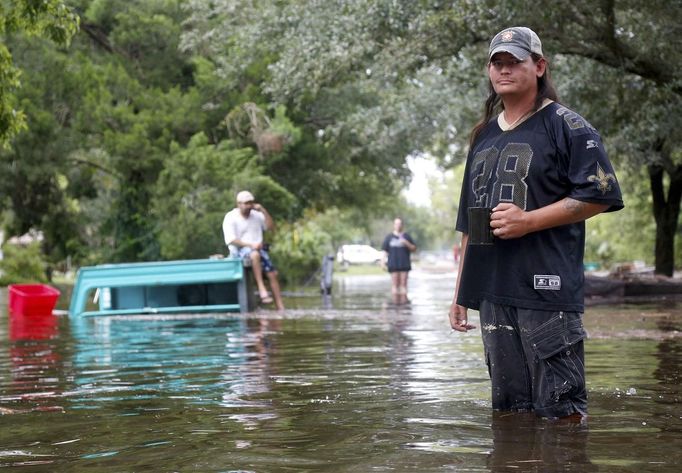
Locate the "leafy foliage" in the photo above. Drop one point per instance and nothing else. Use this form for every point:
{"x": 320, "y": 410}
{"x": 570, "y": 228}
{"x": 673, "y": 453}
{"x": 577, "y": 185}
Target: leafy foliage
{"x": 196, "y": 189}
{"x": 386, "y": 78}
{"x": 299, "y": 247}
{"x": 127, "y": 156}
{"x": 50, "y": 19}
{"x": 22, "y": 264}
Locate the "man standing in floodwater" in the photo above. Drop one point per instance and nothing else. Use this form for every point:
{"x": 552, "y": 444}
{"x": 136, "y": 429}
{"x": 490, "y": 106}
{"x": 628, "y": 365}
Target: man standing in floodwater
{"x": 535, "y": 172}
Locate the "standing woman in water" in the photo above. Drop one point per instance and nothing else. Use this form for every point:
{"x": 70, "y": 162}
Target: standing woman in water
{"x": 397, "y": 247}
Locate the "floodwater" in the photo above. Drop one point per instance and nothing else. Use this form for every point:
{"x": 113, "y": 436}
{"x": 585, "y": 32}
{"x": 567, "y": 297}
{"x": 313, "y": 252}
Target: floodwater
{"x": 351, "y": 384}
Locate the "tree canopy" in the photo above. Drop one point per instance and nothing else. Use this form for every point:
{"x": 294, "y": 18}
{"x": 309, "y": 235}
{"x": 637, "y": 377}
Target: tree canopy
{"x": 50, "y": 19}
{"x": 414, "y": 71}
{"x": 136, "y": 122}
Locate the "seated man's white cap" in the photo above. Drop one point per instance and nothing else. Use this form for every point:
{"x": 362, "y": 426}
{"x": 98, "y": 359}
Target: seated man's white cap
{"x": 245, "y": 196}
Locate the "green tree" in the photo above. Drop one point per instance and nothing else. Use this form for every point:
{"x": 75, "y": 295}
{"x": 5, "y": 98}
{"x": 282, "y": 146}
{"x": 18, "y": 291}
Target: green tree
{"x": 328, "y": 167}
{"x": 396, "y": 77}
{"x": 50, "y": 19}
{"x": 198, "y": 186}
{"x": 632, "y": 51}
{"x": 298, "y": 247}
{"x": 128, "y": 155}
{"x": 36, "y": 171}
{"x": 101, "y": 122}
{"x": 22, "y": 265}
{"x": 142, "y": 102}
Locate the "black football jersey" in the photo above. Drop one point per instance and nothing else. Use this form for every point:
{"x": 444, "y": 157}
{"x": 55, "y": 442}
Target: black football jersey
{"x": 552, "y": 155}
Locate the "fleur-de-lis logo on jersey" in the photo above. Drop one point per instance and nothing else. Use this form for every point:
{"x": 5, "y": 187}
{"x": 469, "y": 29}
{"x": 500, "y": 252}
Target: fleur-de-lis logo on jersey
{"x": 602, "y": 179}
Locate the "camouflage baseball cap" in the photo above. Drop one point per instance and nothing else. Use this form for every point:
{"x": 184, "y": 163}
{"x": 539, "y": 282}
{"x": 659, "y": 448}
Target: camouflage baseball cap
{"x": 518, "y": 41}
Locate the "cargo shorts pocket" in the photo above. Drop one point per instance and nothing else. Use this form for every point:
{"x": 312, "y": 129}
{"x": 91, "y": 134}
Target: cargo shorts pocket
{"x": 557, "y": 346}
{"x": 558, "y": 333}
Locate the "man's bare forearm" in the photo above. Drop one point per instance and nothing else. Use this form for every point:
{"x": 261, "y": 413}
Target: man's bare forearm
{"x": 510, "y": 221}
{"x": 564, "y": 212}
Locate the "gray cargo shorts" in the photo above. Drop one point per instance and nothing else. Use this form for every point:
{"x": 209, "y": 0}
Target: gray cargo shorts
{"x": 535, "y": 359}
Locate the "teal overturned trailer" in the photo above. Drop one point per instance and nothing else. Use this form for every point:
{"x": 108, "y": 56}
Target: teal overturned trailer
{"x": 203, "y": 285}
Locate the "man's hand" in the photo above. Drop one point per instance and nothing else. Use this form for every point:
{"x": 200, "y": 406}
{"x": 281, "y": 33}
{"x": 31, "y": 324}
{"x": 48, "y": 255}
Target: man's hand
{"x": 269, "y": 224}
{"x": 458, "y": 318}
{"x": 509, "y": 221}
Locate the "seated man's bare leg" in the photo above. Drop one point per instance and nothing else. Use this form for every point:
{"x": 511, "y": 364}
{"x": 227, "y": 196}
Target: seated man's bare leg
{"x": 276, "y": 292}
{"x": 258, "y": 273}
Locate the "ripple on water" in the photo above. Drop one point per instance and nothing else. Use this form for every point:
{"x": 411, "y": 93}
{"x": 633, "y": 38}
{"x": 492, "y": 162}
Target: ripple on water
{"x": 363, "y": 386}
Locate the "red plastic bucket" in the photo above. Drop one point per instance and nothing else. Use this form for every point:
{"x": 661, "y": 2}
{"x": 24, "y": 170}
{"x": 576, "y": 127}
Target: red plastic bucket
{"x": 32, "y": 299}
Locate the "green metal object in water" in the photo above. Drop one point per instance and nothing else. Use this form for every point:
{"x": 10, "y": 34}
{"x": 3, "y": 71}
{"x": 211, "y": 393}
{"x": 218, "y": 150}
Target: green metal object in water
{"x": 203, "y": 285}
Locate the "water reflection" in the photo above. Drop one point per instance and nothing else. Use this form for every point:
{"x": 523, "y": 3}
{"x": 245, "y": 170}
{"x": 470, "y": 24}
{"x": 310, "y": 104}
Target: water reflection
{"x": 522, "y": 442}
{"x": 142, "y": 355}
{"x": 669, "y": 354}
{"x": 32, "y": 328}
{"x": 353, "y": 383}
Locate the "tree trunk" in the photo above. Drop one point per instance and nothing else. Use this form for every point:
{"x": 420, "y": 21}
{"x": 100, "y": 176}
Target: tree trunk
{"x": 666, "y": 213}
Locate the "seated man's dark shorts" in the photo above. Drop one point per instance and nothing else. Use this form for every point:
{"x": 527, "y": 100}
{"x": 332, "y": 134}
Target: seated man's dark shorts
{"x": 265, "y": 261}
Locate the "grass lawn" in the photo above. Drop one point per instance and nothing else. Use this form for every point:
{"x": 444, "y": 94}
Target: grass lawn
{"x": 357, "y": 270}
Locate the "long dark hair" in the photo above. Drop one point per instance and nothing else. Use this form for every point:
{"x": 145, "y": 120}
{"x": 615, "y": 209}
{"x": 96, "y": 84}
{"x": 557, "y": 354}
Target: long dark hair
{"x": 494, "y": 105}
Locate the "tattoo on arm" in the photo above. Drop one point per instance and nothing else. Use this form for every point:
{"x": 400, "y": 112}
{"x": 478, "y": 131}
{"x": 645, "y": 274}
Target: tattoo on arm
{"x": 573, "y": 206}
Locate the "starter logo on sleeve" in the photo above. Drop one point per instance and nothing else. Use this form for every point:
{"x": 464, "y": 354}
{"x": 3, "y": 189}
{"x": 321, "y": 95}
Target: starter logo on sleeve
{"x": 549, "y": 282}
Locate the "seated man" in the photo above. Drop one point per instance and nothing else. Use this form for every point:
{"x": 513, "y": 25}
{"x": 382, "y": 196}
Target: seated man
{"x": 243, "y": 229}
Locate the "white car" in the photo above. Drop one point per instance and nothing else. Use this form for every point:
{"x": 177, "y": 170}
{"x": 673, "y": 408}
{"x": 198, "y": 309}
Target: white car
{"x": 358, "y": 254}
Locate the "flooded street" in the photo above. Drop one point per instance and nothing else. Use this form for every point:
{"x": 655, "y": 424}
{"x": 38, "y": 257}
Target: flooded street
{"x": 350, "y": 384}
